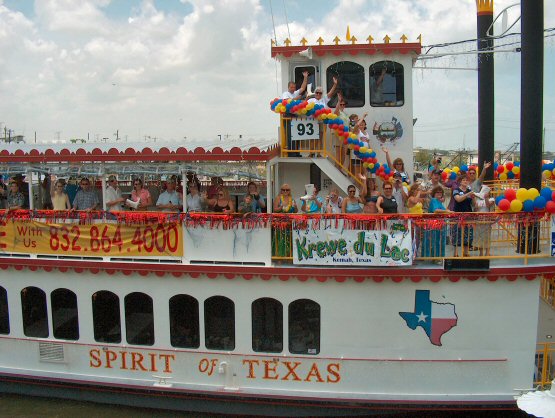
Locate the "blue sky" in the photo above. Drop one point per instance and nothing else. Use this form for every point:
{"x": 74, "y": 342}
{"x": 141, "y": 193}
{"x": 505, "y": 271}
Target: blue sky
{"x": 175, "y": 69}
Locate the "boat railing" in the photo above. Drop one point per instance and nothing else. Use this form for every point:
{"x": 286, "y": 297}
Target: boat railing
{"x": 260, "y": 239}
{"x": 544, "y": 372}
{"x": 322, "y": 143}
{"x": 461, "y": 236}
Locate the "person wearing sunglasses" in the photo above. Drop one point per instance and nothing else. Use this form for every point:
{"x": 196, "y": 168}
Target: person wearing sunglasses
{"x": 386, "y": 202}
{"x": 321, "y": 98}
{"x": 222, "y": 203}
{"x": 140, "y": 195}
{"x": 334, "y": 202}
{"x": 284, "y": 202}
{"x": 86, "y": 199}
{"x": 60, "y": 199}
{"x": 352, "y": 203}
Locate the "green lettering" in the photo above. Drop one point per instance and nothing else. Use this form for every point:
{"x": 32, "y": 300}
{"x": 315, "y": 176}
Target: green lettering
{"x": 359, "y": 245}
{"x": 342, "y": 247}
{"x": 384, "y": 251}
{"x": 301, "y": 248}
{"x": 321, "y": 247}
{"x": 331, "y": 247}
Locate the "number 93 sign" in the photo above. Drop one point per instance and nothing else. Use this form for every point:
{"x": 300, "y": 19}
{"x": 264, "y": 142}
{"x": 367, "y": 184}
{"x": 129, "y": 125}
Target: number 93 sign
{"x": 306, "y": 128}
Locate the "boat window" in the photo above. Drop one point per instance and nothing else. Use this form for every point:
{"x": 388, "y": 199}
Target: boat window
{"x": 184, "y": 322}
{"x": 299, "y": 78}
{"x": 4, "y": 312}
{"x": 267, "y": 326}
{"x": 387, "y": 87}
{"x": 304, "y": 327}
{"x": 106, "y": 317}
{"x": 35, "y": 317}
{"x": 219, "y": 318}
{"x": 65, "y": 321}
{"x": 139, "y": 319}
{"x": 351, "y": 82}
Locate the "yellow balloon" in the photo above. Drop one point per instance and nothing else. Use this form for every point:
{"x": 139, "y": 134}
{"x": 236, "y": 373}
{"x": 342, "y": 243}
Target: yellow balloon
{"x": 363, "y": 150}
{"x": 522, "y": 194}
{"x": 547, "y": 174}
{"x": 503, "y": 176}
{"x": 447, "y": 170}
{"x": 456, "y": 169}
{"x": 370, "y": 166}
{"x": 554, "y": 172}
{"x": 516, "y": 170}
{"x": 533, "y": 193}
{"x": 365, "y": 165}
{"x": 516, "y": 205}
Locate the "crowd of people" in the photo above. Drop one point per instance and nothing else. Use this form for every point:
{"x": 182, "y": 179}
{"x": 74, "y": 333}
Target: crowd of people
{"x": 85, "y": 195}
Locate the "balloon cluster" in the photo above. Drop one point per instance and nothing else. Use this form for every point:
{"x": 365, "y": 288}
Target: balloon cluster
{"x": 452, "y": 173}
{"x": 527, "y": 200}
{"x": 336, "y": 124}
{"x": 509, "y": 170}
{"x": 548, "y": 170}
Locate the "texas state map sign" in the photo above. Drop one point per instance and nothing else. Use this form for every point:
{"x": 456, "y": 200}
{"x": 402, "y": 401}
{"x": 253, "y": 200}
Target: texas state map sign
{"x": 434, "y": 318}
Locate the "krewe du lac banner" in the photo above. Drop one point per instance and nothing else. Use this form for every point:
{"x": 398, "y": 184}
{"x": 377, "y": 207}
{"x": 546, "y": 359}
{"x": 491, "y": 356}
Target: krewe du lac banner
{"x": 97, "y": 239}
{"x": 390, "y": 244}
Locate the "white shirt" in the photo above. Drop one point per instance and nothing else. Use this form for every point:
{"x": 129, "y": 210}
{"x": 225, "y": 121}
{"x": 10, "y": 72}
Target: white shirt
{"x": 193, "y": 203}
{"x": 287, "y": 95}
{"x": 323, "y": 101}
{"x": 111, "y": 195}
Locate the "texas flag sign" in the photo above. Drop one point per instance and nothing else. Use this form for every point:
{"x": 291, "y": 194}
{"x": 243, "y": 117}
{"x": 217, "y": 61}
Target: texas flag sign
{"x": 433, "y": 317}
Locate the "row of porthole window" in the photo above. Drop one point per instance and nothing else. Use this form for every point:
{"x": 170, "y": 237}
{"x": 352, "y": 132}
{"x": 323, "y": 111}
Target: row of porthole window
{"x": 386, "y": 79}
{"x": 219, "y": 320}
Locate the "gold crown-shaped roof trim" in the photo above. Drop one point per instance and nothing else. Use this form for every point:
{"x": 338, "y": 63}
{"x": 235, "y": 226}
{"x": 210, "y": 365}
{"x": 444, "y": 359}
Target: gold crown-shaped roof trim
{"x": 484, "y": 6}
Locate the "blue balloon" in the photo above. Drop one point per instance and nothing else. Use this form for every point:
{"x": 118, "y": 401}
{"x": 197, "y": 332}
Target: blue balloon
{"x": 510, "y": 175}
{"x": 495, "y": 165}
{"x": 387, "y": 170}
{"x": 546, "y": 193}
{"x": 517, "y": 163}
{"x": 452, "y": 176}
{"x": 528, "y": 205}
{"x": 464, "y": 168}
{"x": 540, "y": 202}
{"x": 499, "y": 199}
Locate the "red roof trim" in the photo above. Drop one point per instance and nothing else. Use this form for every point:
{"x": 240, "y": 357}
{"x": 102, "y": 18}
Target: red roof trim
{"x": 340, "y": 275}
{"x": 352, "y": 49}
{"x": 146, "y": 154}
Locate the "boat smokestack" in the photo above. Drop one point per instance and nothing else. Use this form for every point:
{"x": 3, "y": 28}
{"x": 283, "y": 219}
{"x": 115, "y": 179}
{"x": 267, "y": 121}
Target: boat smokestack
{"x": 531, "y": 93}
{"x": 486, "y": 147}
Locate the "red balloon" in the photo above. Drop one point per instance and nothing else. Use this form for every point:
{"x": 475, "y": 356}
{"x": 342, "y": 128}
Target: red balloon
{"x": 550, "y": 207}
{"x": 510, "y": 194}
{"x": 553, "y": 196}
{"x": 500, "y": 169}
{"x": 504, "y": 205}
{"x": 509, "y": 166}
{"x": 345, "y": 141}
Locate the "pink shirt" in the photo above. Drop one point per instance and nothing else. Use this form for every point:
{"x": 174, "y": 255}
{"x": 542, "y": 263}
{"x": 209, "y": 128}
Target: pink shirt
{"x": 144, "y": 194}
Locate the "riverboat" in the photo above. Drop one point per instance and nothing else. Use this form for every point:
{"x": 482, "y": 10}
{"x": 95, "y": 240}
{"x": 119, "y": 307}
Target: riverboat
{"x": 269, "y": 314}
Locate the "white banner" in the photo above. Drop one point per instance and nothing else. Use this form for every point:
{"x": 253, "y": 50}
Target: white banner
{"x": 389, "y": 245}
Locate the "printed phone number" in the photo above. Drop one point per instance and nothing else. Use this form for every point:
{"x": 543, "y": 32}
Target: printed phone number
{"x": 162, "y": 239}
